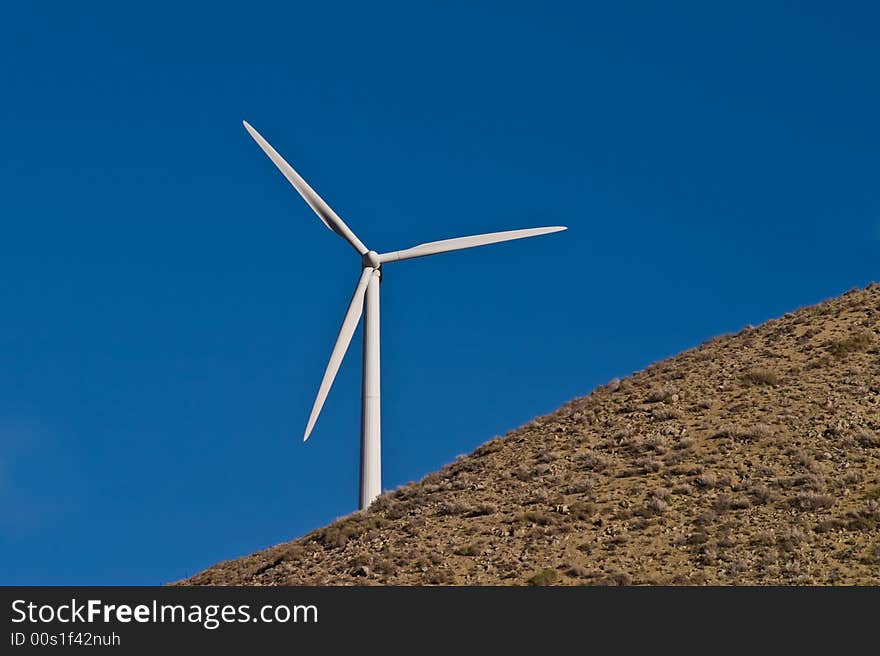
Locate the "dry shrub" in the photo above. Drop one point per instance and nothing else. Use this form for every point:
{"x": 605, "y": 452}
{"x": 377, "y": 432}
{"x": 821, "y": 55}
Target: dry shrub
{"x": 655, "y": 506}
{"x": 384, "y": 566}
{"x": 544, "y": 577}
{"x": 811, "y": 501}
{"x": 866, "y": 518}
{"x": 452, "y": 509}
{"x": 760, "y": 493}
{"x": 578, "y": 572}
{"x": 592, "y": 461}
{"x": 660, "y": 393}
{"x": 538, "y": 517}
{"x": 579, "y": 486}
{"x": 472, "y": 549}
{"x": 665, "y": 414}
{"x": 854, "y": 343}
{"x": 872, "y": 555}
{"x": 648, "y": 465}
{"x": 684, "y": 443}
{"x": 811, "y": 481}
{"x": 439, "y": 577}
{"x": 655, "y": 443}
{"x": 492, "y": 446}
{"x": 339, "y": 533}
{"x": 615, "y": 578}
{"x": 582, "y": 510}
{"x": 867, "y": 438}
{"x": 760, "y": 376}
{"x": 744, "y": 433}
{"x": 481, "y": 509}
{"x": 706, "y": 480}
{"x": 790, "y": 539}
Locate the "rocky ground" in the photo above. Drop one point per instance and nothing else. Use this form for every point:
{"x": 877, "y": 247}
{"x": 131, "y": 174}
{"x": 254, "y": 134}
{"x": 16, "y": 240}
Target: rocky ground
{"x": 752, "y": 459}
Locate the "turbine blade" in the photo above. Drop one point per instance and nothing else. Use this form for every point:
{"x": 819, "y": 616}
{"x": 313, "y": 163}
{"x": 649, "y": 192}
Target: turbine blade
{"x": 322, "y": 209}
{"x": 352, "y": 316}
{"x": 435, "y": 247}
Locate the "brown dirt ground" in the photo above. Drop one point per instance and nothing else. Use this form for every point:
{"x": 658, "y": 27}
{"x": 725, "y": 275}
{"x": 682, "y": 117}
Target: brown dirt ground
{"x": 752, "y": 459}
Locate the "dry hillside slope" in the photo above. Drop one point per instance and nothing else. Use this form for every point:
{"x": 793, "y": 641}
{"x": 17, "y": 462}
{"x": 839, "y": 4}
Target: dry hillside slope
{"x": 752, "y": 459}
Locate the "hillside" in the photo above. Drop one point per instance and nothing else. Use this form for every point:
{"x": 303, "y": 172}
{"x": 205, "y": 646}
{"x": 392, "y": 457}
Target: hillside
{"x": 752, "y": 459}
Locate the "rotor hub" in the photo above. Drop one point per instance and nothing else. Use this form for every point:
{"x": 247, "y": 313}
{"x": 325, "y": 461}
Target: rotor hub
{"x": 371, "y": 259}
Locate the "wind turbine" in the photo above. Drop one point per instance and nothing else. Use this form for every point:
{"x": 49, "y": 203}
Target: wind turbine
{"x": 365, "y": 300}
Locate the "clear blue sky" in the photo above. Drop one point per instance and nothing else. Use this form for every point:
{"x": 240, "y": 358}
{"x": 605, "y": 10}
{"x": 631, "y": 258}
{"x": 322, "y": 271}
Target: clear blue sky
{"x": 168, "y": 303}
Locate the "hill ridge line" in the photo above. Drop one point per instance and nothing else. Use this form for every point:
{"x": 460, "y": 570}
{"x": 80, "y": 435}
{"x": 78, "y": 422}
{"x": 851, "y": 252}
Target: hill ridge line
{"x": 753, "y": 457}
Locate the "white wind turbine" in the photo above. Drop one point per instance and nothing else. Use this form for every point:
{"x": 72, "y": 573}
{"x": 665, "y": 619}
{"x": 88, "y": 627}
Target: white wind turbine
{"x": 366, "y": 294}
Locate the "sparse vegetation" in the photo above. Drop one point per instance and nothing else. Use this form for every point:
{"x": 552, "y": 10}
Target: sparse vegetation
{"x": 472, "y": 549}
{"x": 453, "y": 508}
{"x": 812, "y": 501}
{"x": 665, "y": 414}
{"x": 656, "y": 505}
{"x": 593, "y": 461}
{"x": 660, "y": 393}
{"x": 490, "y": 447}
{"x": 706, "y": 480}
{"x": 760, "y": 376}
{"x": 854, "y": 343}
{"x": 545, "y": 577}
{"x": 577, "y": 572}
{"x": 744, "y": 433}
{"x": 539, "y": 517}
{"x": 760, "y": 493}
{"x": 339, "y": 533}
{"x": 868, "y": 439}
{"x": 752, "y": 459}
{"x": 582, "y": 510}
{"x": 439, "y": 577}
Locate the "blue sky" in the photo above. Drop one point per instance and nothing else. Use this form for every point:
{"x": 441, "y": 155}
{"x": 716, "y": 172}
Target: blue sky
{"x": 168, "y": 303}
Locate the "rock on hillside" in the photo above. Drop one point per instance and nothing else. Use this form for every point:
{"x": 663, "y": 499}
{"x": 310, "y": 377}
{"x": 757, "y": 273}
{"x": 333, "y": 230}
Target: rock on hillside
{"x": 752, "y": 459}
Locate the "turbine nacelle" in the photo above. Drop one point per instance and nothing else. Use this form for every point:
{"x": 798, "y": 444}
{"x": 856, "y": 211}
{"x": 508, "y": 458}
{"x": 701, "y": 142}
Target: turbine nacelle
{"x": 371, "y": 259}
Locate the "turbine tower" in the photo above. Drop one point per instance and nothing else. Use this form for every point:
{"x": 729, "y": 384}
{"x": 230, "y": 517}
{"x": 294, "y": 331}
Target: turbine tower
{"x": 365, "y": 300}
